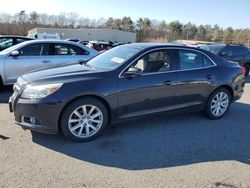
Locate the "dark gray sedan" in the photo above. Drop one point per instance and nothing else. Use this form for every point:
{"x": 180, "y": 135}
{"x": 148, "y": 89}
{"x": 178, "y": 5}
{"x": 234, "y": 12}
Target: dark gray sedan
{"x": 125, "y": 82}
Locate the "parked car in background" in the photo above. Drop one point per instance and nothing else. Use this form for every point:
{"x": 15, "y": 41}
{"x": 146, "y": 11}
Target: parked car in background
{"x": 125, "y": 82}
{"x": 73, "y": 40}
{"x": 9, "y": 40}
{"x": 231, "y": 52}
{"x": 99, "y": 45}
{"x": 45, "y": 36}
{"x": 118, "y": 44}
{"x": 39, "y": 54}
{"x": 84, "y": 42}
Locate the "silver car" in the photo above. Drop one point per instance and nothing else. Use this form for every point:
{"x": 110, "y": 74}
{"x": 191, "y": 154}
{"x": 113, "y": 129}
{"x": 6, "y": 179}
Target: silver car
{"x": 39, "y": 54}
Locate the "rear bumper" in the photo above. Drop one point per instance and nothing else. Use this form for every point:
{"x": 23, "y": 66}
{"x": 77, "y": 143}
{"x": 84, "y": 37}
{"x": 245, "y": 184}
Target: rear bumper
{"x": 44, "y": 114}
{"x": 237, "y": 97}
{"x": 239, "y": 90}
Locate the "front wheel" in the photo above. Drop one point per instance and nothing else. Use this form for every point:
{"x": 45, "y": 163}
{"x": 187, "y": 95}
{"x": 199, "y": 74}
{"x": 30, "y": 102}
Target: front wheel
{"x": 84, "y": 119}
{"x": 218, "y": 104}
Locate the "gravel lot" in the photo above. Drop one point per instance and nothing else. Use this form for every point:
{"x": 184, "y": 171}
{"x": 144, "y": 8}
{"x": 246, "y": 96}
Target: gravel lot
{"x": 185, "y": 150}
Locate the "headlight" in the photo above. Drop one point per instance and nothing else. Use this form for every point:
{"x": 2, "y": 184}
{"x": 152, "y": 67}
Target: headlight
{"x": 40, "y": 91}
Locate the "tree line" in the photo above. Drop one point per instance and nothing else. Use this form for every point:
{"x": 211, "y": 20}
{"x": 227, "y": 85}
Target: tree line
{"x": 147, "y": 30}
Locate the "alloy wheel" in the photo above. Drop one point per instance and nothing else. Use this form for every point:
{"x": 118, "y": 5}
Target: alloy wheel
{"x": 219, "y": 104}
{"x": 85, "y": 121}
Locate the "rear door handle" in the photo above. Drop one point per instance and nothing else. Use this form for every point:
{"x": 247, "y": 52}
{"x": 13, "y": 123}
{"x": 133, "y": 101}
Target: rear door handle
{"x": 45, "y": 61}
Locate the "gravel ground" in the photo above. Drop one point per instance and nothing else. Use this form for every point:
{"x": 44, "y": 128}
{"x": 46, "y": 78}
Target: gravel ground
{"x": 185, "y": 150}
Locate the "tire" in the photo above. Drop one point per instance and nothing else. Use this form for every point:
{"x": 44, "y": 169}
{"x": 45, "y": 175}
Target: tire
{"x": 247, "y": 67}
{"x": 224, "y": 105}
{"x": 78, "y": 121}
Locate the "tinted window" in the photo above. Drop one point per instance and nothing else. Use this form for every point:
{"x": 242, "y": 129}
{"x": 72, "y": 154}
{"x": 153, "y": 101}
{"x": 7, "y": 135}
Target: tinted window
{"x": 227, "y": 51}
{"x": 35, "y": 50}
{"x": 239, "y": 50}
{"x": 6, "y": 43}
{"x": 206, "y": 62}
{"x": 65, "y": 49}
{"x": 193, "y": 60}
{"x": 20, "y": 40}
{"x": 158, "y": 61}
{"x": 212, "y": 48}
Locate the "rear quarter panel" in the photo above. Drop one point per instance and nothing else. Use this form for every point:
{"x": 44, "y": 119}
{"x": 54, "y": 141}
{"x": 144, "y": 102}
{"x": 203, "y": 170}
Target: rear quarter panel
{"x": 230, "y": 74}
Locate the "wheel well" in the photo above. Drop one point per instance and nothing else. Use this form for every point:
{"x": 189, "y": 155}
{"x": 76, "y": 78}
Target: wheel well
{"x": 229, "y": 89}
{"x": 106, "y": 104}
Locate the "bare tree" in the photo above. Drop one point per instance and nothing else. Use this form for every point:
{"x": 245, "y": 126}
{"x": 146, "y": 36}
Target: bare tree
{"x": 62, "y": 19}
{"x": 43, "y": 19}
{"x": 72, "y": 19}
{"x": 34, "y": 16}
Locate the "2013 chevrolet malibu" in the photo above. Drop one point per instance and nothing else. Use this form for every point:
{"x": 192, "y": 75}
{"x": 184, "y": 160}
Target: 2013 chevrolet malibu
{"x": 125, "y": 82}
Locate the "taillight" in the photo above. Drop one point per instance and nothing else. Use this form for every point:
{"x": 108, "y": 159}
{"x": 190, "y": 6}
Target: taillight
{"x": 243, "y": 70}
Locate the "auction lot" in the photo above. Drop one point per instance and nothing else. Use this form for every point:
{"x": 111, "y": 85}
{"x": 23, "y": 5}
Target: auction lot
{"x": 185, "y": 150}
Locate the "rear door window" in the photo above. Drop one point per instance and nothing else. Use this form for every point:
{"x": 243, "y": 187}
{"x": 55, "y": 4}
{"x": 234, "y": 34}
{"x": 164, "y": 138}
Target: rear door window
{"x": 65, "y": 49}
{"x": 193, "y": 60}
{"x": 239, "y": 50}
{"x": 227, "y": 51}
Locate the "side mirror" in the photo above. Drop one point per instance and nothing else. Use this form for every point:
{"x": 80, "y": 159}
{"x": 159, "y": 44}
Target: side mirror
{"x": 15, "y": 53}
{"x": 133, "y": 71}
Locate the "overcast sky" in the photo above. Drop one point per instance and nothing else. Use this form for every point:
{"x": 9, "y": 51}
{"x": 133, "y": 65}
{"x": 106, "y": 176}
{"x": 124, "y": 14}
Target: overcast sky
{"x": 234, "y": 13}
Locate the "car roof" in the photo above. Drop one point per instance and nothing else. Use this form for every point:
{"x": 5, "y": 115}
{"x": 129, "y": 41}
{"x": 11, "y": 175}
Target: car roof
{"x": 14, "y": 36}
{"x": 222, "y": 45}
{"x": 143, "y": 46}
{"x": 51, "y": 41}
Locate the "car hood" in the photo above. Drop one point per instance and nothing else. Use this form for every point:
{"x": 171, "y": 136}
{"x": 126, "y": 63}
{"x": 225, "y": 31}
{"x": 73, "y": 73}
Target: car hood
{"x": 63, "y": 74}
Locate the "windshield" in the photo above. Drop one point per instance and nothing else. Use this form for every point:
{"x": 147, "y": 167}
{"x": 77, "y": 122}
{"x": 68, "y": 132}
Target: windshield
{"x": 212, "y": 48}
{"x": 12, "y": 48}
{"x": 113, "y": 58}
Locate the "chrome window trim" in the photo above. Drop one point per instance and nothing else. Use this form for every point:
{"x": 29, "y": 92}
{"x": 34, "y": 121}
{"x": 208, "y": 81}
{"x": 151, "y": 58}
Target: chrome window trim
{"x": 168, "y": 48}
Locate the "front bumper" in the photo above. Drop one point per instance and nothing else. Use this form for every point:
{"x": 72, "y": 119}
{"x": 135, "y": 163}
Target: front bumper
{"x": 45, "y": 113}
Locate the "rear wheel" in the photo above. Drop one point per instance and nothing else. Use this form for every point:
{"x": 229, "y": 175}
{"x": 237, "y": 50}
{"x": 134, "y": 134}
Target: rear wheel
{"x": 247, "y": 67}
{"x": 84, "y": 119}
{"x": 218, "y": 104}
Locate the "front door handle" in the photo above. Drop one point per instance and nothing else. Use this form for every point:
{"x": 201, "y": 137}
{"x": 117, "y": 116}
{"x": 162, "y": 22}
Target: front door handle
{"x": 45, "y": 61}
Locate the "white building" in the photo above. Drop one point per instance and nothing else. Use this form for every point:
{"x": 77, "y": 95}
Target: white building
{"x": 87, "y": 34}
